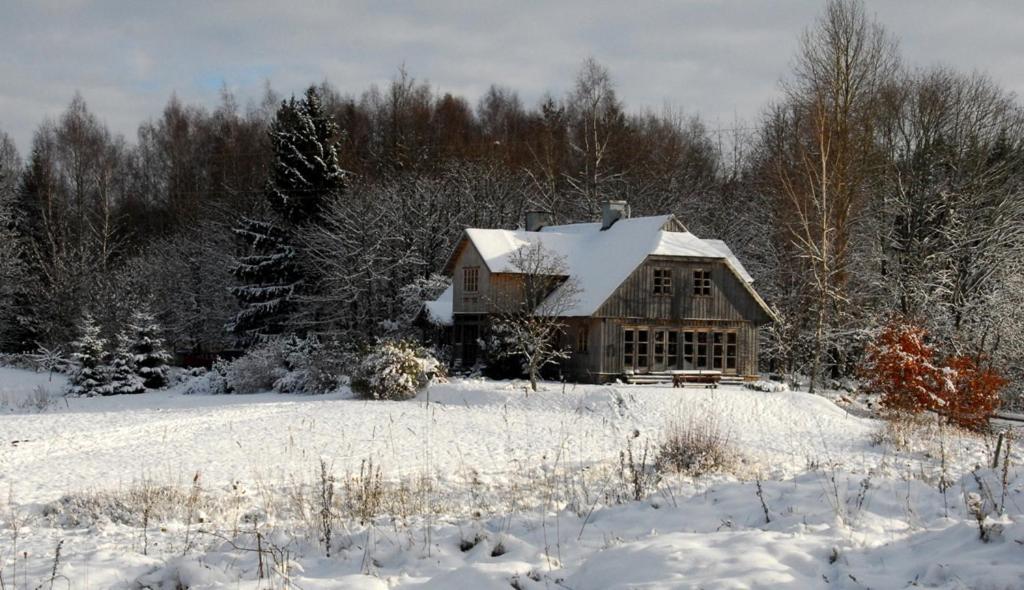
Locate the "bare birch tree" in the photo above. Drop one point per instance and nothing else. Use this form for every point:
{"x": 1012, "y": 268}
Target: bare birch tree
{"x": 824, "y": 163}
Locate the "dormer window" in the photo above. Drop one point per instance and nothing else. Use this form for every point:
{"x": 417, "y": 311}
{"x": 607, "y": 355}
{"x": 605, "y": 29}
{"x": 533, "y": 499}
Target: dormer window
{"x": 701, "y": 283}
{"x": 471, "y": 279}
{"x": 663, "y": 281}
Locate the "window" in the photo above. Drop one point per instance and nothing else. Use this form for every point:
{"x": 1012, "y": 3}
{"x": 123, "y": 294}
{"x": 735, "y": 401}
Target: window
{"x": 688, "y": 350}
{"x": 702, "y": 350}
{"x": 663, "y": 281}
{"x": 471, "y": 279}
{"x": 718, "y": 350}
{"x": 702, "y": 283}
{"x": 636, "y": 349}
{"x": 642, "y": 348}
{"x": 583, "y": 339}
{"x": 660, "y": 347}
{"x": 673, "y": 349}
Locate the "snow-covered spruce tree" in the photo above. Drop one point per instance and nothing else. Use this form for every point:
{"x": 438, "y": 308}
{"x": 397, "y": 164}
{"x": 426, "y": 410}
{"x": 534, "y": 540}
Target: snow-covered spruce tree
{"x": 123, "y": 376}
{"x": 147, "y": 348}
{"x": 304, "y": 174}
{"x": 11, "y": 264}
{"x": 305, "y": 170}
{"x": 91, "y": 373}
{"x": 269, "y": 278}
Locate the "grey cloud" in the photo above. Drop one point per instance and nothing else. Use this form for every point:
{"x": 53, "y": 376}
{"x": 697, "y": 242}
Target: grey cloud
{"x": 721, "y": 59}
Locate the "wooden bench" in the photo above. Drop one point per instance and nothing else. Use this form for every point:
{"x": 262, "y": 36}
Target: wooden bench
{"x": 705, "y": 378}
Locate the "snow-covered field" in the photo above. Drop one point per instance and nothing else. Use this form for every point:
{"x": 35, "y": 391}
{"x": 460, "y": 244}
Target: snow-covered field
{"x": 482, "y": 485}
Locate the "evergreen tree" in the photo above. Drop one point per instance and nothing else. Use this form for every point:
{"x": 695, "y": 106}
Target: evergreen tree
{"x": 91, "y": 374}
{"x": 269, "y": 278}
{"x": 304, "y": 175}
{"x": 147, "y": 348}
{"x": 305, "y": 171}
{"x": 123, "y": 375}
{"x": 11, "y": 269}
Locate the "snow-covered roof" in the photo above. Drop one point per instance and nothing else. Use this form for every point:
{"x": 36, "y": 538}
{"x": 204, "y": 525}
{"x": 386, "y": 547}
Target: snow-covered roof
{"x": 599, "y": 261}
{"x": 439, "y": 311}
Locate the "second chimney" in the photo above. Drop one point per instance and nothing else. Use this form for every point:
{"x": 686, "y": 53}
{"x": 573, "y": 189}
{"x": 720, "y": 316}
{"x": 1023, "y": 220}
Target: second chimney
{"x": 612, "y": 211}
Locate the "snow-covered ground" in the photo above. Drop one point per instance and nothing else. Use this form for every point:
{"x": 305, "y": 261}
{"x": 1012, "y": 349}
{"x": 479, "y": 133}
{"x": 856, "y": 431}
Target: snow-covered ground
{"x": 483, "y": 485}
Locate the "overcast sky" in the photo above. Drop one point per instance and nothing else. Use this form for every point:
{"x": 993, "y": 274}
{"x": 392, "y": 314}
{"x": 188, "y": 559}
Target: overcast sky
{"x": 721, "y": 59}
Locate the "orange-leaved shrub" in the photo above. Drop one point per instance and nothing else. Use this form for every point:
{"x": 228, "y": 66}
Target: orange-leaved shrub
{"x": 970, "y": 392}
{"x": 899, "y": 365}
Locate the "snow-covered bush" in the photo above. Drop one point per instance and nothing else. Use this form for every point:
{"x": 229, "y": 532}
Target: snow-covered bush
{"x": 696, "y": 448}
{"x": 767, "y": 386}
{"x": 90, "y": 375}
{"x": 212, "y": 382}
{"x": 289, "y": 365}
{"x": 394, "y": 370}
{"x": 310, "y": 367}
{"x": 258, "y": 369}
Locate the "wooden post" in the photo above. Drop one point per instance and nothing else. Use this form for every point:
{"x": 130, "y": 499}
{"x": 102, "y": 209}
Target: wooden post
{"x": 999, "y": 446}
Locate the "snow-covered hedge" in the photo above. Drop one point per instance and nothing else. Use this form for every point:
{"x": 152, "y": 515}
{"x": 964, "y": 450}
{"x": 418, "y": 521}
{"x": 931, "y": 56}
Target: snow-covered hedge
{"x": 394, "y": 370}
{"x": 767, "y": 386}
{"x": 287, "y": 365}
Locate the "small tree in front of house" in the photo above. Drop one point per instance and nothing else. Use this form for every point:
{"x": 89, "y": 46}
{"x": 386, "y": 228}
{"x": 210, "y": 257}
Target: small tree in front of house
{"x": 530, "y": 318}
{"x": 91, "y": 374}
{"x": 148, "y": 354}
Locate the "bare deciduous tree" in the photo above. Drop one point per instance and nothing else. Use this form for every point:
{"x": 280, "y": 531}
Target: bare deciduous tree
{"x": 531, "y": 316}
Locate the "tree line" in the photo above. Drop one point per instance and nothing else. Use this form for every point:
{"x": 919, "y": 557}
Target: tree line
{"x": 869, "y": 189}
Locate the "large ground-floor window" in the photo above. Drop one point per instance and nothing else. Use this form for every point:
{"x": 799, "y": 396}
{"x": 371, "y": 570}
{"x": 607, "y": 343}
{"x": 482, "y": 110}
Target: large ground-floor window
{"x": 661, "y": 349}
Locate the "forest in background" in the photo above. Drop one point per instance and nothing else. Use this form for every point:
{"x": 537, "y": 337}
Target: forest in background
{"x": 871, "y": 189}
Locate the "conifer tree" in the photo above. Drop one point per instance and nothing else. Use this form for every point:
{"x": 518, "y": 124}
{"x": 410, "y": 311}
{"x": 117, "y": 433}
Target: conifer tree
{"x": 149, "y": 357}
{"x": 269, "y": 278}
{"x": 11, "y": 269}
{"x": 123, "y": 376}
{"x": 304, "y": 175}
{"x": 91, "y": 374}
{"x": 305, "y": 171}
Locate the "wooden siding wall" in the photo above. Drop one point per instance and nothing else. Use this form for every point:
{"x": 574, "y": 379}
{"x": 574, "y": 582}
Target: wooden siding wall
{"x": 729, "y": 299}
{"x": 471, "y": 302}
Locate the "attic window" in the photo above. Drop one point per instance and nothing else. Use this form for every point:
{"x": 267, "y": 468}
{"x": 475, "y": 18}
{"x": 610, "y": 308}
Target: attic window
{"x": 471, "y": 279}
{"x": 663, "y": 281}
{"x": 702, "y": 283}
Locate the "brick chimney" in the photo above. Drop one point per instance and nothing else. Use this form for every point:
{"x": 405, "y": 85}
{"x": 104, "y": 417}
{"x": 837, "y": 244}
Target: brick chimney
{"x": 612, "y": 211}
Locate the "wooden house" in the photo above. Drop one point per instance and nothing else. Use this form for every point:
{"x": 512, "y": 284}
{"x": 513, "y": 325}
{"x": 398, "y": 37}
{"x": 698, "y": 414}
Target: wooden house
{"x": 652, "y": 298}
